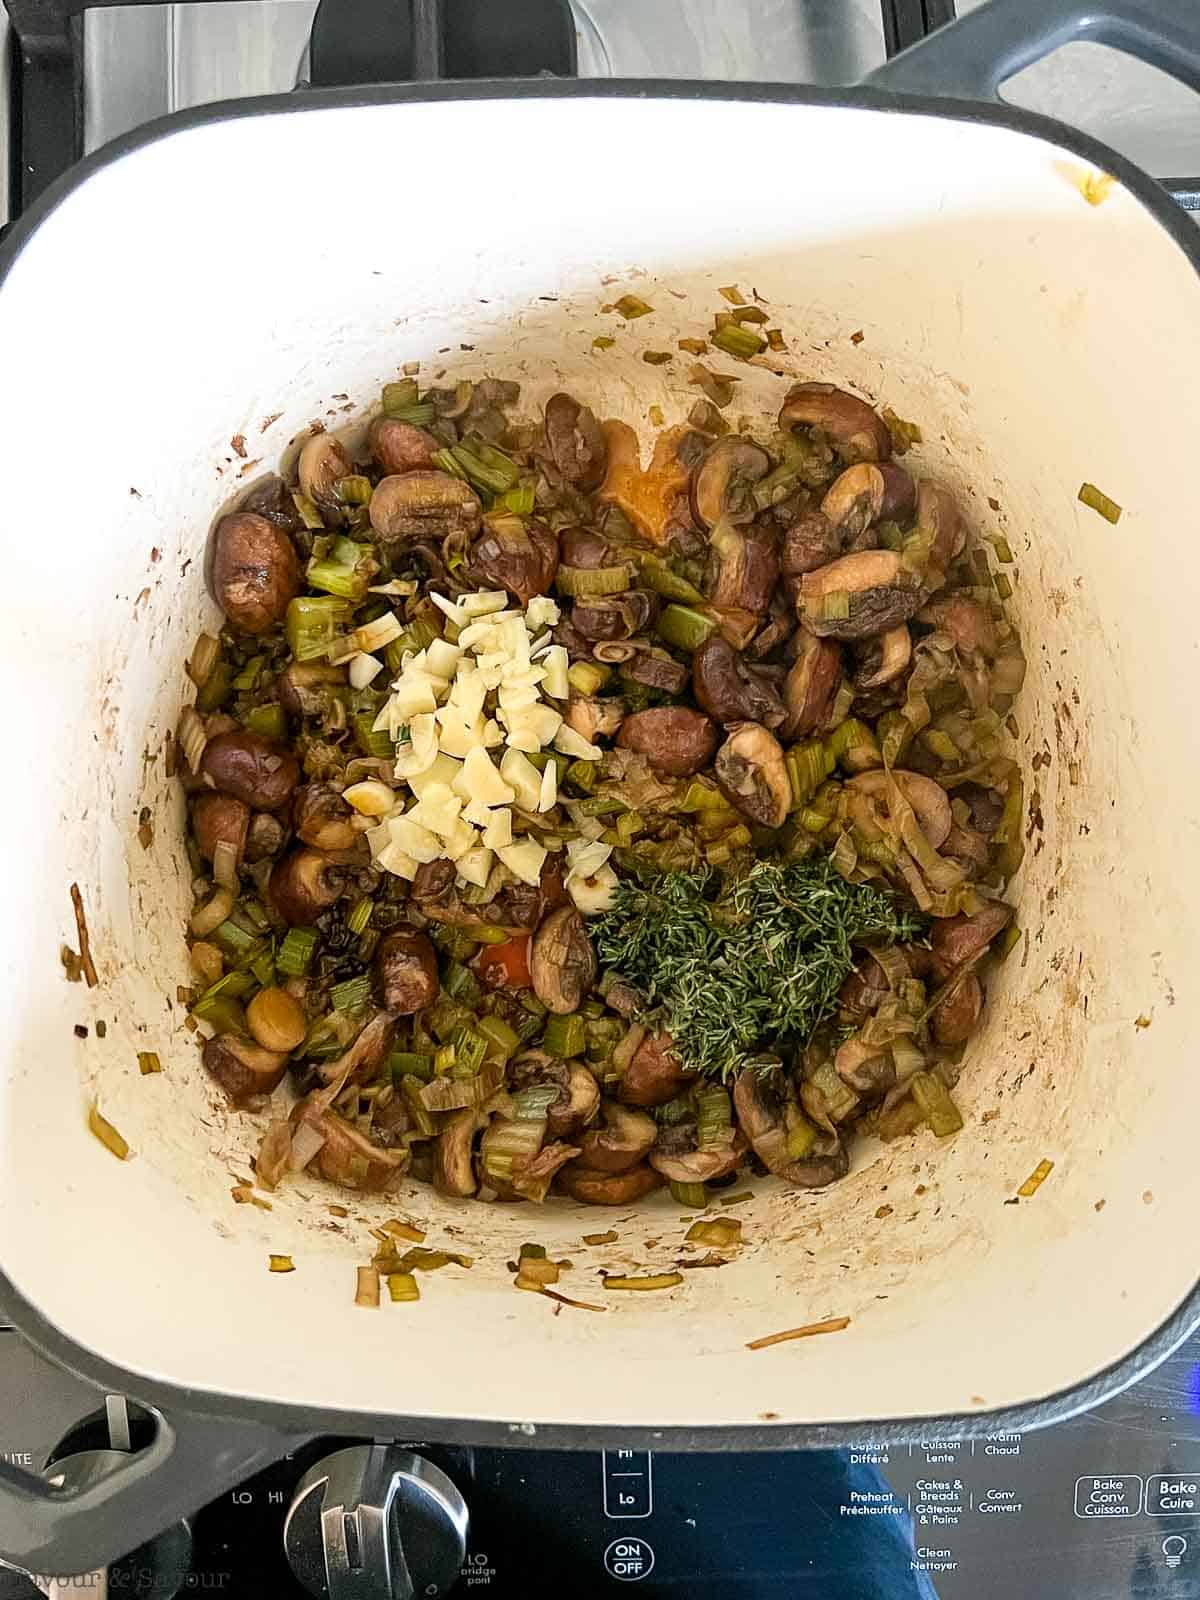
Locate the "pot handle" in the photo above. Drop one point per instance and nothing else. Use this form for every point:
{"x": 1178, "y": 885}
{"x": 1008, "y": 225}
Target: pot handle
{"x": 970, "y": 58}
{"x": 47, "y": 1529}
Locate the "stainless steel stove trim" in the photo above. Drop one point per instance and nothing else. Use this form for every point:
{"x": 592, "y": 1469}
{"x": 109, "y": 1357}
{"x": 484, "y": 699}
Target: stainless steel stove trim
{"x": 263, "y": 1430}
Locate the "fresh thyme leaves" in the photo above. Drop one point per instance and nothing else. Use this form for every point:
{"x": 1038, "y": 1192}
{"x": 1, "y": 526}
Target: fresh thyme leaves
{"x": 754, "y": 968}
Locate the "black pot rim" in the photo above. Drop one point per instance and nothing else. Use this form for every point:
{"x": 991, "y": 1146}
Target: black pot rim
{"x": 294, "y": 1419}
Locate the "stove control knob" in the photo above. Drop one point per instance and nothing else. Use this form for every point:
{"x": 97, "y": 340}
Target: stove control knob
{"x": 376, "y": 1523}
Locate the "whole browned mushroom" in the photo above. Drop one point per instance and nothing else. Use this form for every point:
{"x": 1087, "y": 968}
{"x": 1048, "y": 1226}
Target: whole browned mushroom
{"x": 251, "y": 768}
{"x": 879, "y": 591}
{"x": 304, "y": 884}
{"x": 615, "y": 616}
{"x": 968, "y": 847}
{"x": 722, "y": 483}
{"x": 255, "y": 571}
{"x": 751, "y": 774}
{"x": 453, "y": 1169}
{"x": 854, "y": 430}
{"x": 899, "y": 492}
{"x": 321, "y": 463}
{"x": 321, "y": 817}
{"x": 423, "y": 505}
{"x": 562, "y": 961}
{"x": 810, "y": 543}
{"x": 575, "y": 442}
{"x": 956, "y": 1019}
{"x": 730, "y": 690}
{"x": 760, "y": 1115}
{"x": 304, "y": 687}
{"x": 967, "y": 622}
{"x": 955, "y": 940}
{"x": 866, "y": 1068}
{"x": 220, "y": 819}
{"x": 265, "y": 836}
{"x": 854, "y": 500}
{"x": 519, "y": 556}
{"x": 271, "y": 498}
{"x": 404, "y": 972}
{"x": 674, "y": 739}
{"x": 812, "y": 684}
{"x": 895, "y": 653}
{"x": 928, "y": 799}
{"x": 626, "y": 1138}
{"x": 608, "y": 1188}
{"x": 743, "y": 569}
{"x": 655, "y": 1075}
{"x": 244, "y": 1069}
{"x": 587, "y": 549}
{"x": 399, "y": 446}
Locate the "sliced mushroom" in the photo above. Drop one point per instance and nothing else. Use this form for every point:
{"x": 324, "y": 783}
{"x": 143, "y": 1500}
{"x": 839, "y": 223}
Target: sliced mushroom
{"x": 322, "y": 462}
{"x": 729, "y": 690}
{"x": 655, "y": 1075}
{"x": 722, "y": 482}
{"x": 521, "y": 557}
{"x": 743, "y": 569}
{"x": 348, "y": 1157}
{"x": 700, "y": 1166}
{"x": 985, "y": 805}
{"x": 220, "y": 819}
{"x": 855, "y": 431}
{"x": 399, "y": 446}
{"x": 532, "y": 1180}
{"x": 866, "y": 1068}
{"x": 895, "y": 653}
{"x": 255, "y": 571}
{"x": 626, "y": 1138}
{"x": 938, "y": 514}
{"x": 423, "y": 505}
{"x": 956, "y": 1019}
{"x": 811, "y": 686}
{"x": 751, "y": 774}
{"x": 575, "y": 442}
{"x": 251, "y": 769}
{"x": 322, "y": 818}
{"x": 608, "y": 1188}
{"x": 881, "y": 592}
{"x": 404, "y": 972}
{"x": 674, "y": 739}
{"x": 968, "y": 847}
{"x": 657, "y": 670}
{"x": 928, "y": 799}
{"x": 594, "y": 719}
{"x": 655, "y": 498}
{"x": 304, "y": 884}
{"x": 955, "y": 940}
{"x": 760, "y": 1115}
{"x": 863, "y": 990}
{"x": 562, "y": 961}
{"x": 811, "y": 543}
{"x": 854, "y": 500}
{"x": 967, "y": 622}
{"x": 244, "y": 1069}
{"x": 453, "y": 1169}
{"x": 365, "y": 1055}
{"x": 586, "y": 549}
{"x": 304, "y": 687}
{"x": 775, "y": 631}
{"x": 899, "y": 492}
{"x": 615, "y": 616}
{"x": 265, "y": 836}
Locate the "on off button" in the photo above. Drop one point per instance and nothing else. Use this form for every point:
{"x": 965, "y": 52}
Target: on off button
{"x": 629, "y": 1560}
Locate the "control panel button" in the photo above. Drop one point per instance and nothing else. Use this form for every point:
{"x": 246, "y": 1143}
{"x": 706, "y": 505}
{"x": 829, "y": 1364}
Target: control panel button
{"x": 629, "y": 1560}
{"x": 628, "y": 1484}
{"x": 1112, "y": 1495}
{"x": 1173, "y": 1494}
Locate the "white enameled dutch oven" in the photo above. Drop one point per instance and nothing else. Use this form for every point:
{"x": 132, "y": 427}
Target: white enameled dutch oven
{"x": 240, "y": 271}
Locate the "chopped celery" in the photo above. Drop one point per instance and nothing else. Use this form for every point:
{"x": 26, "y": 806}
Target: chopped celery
{"x": 692, "y": 1195}
{"x": 602, "y": 806}
{"x": 657, "y": 575}
{"x": 852, "y": 744}
{"x": 263, "y": 967}
{"x": 372, "y": 742}
{"x": 486, "y": 467}
{"x": 1098, "y": 501}
{"x": 500, "y": 1038}
{"x": 936, "y": 1105}
{"x": 308, "y": 512}
{"x": 269, "y": 720}
{"x": 148, "y": 1062}
{"x": 397, "y": 396}
{"x": 351, "y": 994}
{"x": 714, "y": 1115}
{"x": 402, "y": 1286}
{"x": 312, "y": 624}
{"x": 236, "y": 943}
{"x": 587, "y": 582}
{"x": 248, "y": 677}
{"x": 410, "y": 1064}
{"x": 296, "y": 951}
{"x": 360, "y": 914}
{"x": 583, "y": 775}
{"x": 470, "y": 1049}
{"x": 808, "y": 765}
{"x": 801, "y": 1137}
{"x": 446, "y": 461}
{"x": 519, "y": 501}
{"x": 216, "y": 688}
{"x": 586, "y": 677}
{"x": 460, "y": 983}
{"x": 349, "y": 583}
{"x": 684, "y": 627}
{"x": 419, "y": 635}
{"x": 565, "y": 1036}
{"x": 353, "y": 490}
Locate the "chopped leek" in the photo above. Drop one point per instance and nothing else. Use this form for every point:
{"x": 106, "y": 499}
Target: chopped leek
{"x": 460, "y": 983}
{"x": 296, "y": 951}
{"x": 352, "y": 994}
{"x": 684, "y": 628}
{"x": 520, "y": 501}
{"x": 270, "y": 721}
{"x": 1098, "y": 501}
{"x": 588, "y": 582}
{"x": 656, "y": 1280}
{"x": 148, "y": 1062}
{"x": 360, "y": 914}
{"x": 349, "y": 583}
{"x": 486, "y": 467}
{"x": 500, "y": 1039}
{"x": 248, "y": 677}
{"x": 312, "y": 623}
{"x": 402, "y": 1286}
{"x": 470, "y": 1049}
{"x": 371, "y": 741}
{"x": 565, "y": 1036}
{"x": 935, "y": 1104}
{"x": 396, "y": 396}
{"x": 738, "y": 341}
{"x": 692, "y": 1195}
{"x": 410, "y": 1064}
{"x": 353, "y": 490}
{"x": 586, "y": 677}
{"x": 657, "y": 575}
{"x": 714, "y": 1115}
{"x": 367, "y": 1291}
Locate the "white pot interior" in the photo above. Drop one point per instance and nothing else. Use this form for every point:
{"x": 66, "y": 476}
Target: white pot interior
{"x": 245, "y": 277}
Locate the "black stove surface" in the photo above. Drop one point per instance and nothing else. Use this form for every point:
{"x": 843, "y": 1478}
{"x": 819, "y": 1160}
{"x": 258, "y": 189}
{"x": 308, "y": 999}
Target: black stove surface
{"x": 1106, "y": 1507}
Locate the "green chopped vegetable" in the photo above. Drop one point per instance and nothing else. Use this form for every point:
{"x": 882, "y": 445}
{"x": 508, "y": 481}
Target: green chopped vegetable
{"x": 410, "y": 1064}
{"x": 1097, "y": 500}
{"x": 372, "y": 741}
{"x": 270, "y": 720}
{"x": 587, "y": 677}
{"x": 936, "y": 1105}
{"x": 353, "y": 490}
{"x": 312, "y": 624}
{"x": 296, "y": 951}
{"x": 148, "y": 1062}
{"x": 352, "y": 994}
{"x": 738, "y": 341}
{"x": 692, "y": 1195}
{"x": 565, "y": 1036}
{"x": 460, "y": 983}
{"x": 402, "y": 1286}
{"x": 684, "y": 628}
{"x": 520, "y": 501}
{"x": 349, "y": 583}
{"x": 735, "y": 966}
{"x": 360, "y": 914}
{"x": 630, "y": 306}
{"x": 588, "y": 581}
